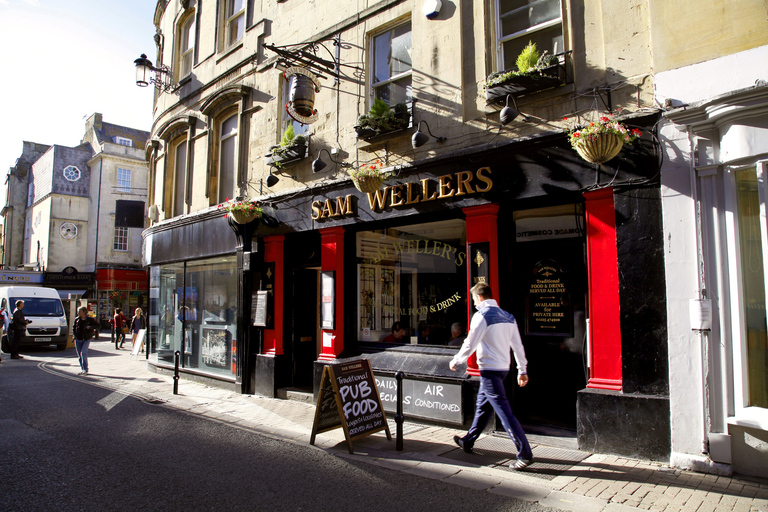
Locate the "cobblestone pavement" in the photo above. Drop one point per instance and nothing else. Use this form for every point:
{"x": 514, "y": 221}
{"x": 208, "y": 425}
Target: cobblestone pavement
{"x": 562, "y": 478}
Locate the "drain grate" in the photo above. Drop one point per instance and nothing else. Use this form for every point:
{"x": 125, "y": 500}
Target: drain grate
{"x": 548, "y": 462}
{"x": 408, "y": 428}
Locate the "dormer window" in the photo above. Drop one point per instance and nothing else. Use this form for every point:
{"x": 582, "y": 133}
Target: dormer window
{"x": 72, "y": 173}
{"x": 123, "y": 141}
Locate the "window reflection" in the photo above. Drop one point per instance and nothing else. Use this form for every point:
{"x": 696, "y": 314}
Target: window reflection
{"x": 412, "y": 283}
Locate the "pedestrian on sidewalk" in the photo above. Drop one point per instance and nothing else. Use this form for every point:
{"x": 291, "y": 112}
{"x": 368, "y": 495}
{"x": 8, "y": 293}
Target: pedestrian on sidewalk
{"x": 138, "y": 322}
{"x": 5, "y": 321}
{"x": 119, "y": 323}
{"x": 492, "y": 333}
{"x": 18, "y": 327}
{"x": 83, "y": 330}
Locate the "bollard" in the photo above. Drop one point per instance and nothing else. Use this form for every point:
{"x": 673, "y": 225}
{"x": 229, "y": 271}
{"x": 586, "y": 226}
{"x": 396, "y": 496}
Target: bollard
{"x": 399, "y": 416}
{"x": 176, "y": 357}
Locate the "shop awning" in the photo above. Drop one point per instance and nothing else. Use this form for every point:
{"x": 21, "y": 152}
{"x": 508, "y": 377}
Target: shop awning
{"x": 64, "y": 294}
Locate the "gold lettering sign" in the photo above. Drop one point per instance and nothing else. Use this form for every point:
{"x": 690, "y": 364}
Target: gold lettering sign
{"x": 426, "y": 189}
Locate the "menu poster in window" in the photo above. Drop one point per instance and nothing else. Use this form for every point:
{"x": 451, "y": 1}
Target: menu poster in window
{"x": 548, "y": 308}
{"x": 214, "y": 350}
{"x": 349, "y": 399}
{"x": 259, "y": 315}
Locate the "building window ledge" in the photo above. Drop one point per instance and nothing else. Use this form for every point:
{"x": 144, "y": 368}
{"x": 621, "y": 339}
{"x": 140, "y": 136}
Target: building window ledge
{"x": 751, "y": 417}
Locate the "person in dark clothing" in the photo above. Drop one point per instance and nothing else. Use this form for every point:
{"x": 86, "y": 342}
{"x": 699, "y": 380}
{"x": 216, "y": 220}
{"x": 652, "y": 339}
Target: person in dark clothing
{"x": 119, "y": 321}
{"x": 18, "y": 327}
{"x": 83, "y": 330}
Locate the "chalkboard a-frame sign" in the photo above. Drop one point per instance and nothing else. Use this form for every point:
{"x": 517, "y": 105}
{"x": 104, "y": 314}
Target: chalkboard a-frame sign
{"x": 349, "y": 399}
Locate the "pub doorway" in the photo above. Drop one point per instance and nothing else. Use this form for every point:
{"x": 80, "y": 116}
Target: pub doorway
{"x": 303, "y": 302}
{"x": 548, "y": 284}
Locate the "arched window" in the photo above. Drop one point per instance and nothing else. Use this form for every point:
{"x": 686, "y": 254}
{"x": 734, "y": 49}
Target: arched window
{"x": 185, "y": 45}
{"x": 227, "y": 158}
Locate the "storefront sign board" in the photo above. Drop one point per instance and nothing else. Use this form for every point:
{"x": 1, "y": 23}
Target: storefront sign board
{"x": 349, "y": 399}
{"x": 423, "y": 399}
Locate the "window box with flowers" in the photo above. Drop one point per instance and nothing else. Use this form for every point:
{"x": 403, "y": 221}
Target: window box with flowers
{"x": 383, "y": 120}
{"x": 368, "y": 177}
{"x": 600, "y": 141}
{"x": 242, "y": 211}
{"x": 534, "y": 73}
{"x": 292, "y": 148}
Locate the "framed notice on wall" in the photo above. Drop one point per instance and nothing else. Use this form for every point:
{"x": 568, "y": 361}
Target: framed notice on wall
{"x": 259, "y": 309}
{"x": 327, "y": 299}
{"x": 548, "y": 308}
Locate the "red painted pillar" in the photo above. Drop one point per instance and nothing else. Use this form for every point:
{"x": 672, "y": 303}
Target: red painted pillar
{"x": 482, "y": 226}
{"x": 332, "y": 258}
{"x": 274, "y": 249}
{"x": 603, "y": 283}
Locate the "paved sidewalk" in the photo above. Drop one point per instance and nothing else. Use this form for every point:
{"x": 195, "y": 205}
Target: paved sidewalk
{"x": 562, "y": 478}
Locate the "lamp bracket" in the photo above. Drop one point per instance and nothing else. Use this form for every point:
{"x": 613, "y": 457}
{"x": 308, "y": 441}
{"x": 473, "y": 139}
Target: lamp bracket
{"x": 306, "y": 54}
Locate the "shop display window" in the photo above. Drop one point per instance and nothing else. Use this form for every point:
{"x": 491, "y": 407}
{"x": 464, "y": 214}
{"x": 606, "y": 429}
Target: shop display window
{"x": 412, "y": 283}
{"x": 193, "y": 309}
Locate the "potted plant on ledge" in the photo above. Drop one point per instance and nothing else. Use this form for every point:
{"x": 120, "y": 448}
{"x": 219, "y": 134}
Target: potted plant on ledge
{"x": 534, "y": 73}
{"x": 601, "y": 141}
{"x": 381, "y": 120}
{"x": 292, "y": 148}
{"x": 242, "y": 211}
{"x": 368, "y": 177}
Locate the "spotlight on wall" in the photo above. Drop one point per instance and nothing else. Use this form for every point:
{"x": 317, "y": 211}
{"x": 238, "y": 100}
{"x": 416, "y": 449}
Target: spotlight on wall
{"x": 147, "y": 74}
{"x": 272, "y": 179}
{"x": 509, "y": 114}
{"x": 318, "y": 165}
{"x": 420, "y": 138}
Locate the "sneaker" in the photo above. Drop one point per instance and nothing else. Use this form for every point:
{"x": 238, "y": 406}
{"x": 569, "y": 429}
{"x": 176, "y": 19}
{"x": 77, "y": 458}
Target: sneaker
{"x": 85, "y": 372}
{"x": 460, "y": 442}
{"x": 520, "y": 464}
{"x": 81, "y": 373}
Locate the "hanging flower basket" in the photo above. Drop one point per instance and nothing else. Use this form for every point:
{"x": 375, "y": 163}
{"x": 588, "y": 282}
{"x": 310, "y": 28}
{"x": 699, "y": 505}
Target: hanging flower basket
{"x": 601, "y": 141}
{"x": 368, "y": 178}
{"x": 599, "y": 148}
{"x": 244, "y": 211}
{"x": 242, "y": 217}
{"x": 368, "y": 184}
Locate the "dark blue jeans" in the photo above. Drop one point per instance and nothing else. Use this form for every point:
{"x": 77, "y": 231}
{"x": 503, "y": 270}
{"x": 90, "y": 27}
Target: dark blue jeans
{"x": 81, "y": 347}
{"x": 493, "y": 397}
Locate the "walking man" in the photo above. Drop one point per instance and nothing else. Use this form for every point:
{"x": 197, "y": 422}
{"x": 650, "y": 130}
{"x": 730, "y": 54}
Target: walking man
{"x": 83, "y": 330}
{"x": 492, "y": 333}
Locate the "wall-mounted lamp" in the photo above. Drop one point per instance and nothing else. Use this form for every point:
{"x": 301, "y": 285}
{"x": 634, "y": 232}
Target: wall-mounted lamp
{"x": 318, "y": 165}
{"x": 420, "y": 138}
{"x": 147, "y": 74}
{"x": 272, "y": 179}
{"x": 508, "y": 114}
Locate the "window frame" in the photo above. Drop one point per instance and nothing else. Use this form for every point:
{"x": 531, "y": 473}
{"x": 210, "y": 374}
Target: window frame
{"x": 374, "y": 86}
{"x": 120, "y": 234}
{"x": 122, "y": 141}
{"x": 121, "y": 187}
{"x": 181, "y": 53}
{"x": 741, "y": 386}
{"x": 226, "y": 24}
{"x": 500, "y": 40}
{"x": 225, "y": 116}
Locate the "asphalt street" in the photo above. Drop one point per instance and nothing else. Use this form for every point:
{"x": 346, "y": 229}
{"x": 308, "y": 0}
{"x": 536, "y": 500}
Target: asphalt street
{"x": 68, "y": 444}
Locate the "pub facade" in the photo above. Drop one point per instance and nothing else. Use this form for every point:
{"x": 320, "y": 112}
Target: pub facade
{"x": 331, "y": 272}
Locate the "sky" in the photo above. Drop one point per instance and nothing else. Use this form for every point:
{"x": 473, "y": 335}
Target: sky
{"x": 63, "y": 60}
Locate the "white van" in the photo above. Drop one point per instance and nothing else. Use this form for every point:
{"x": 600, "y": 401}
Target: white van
{"x": 41, "y": 305}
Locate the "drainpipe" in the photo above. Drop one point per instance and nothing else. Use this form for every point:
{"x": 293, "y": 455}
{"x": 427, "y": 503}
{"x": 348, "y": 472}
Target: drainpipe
{"x": 98, "y": 216}
{"x": 701, "y": 294}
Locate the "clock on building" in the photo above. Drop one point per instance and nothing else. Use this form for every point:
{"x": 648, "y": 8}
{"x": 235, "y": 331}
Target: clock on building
{"x": 72, "y": 173}
{"x": 68, "y": 230}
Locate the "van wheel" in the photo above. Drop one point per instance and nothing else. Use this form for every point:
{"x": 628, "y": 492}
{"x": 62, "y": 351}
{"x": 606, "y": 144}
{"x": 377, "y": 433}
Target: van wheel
{"x": 4, "y": 344}
{"x": 61, "y": 346}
